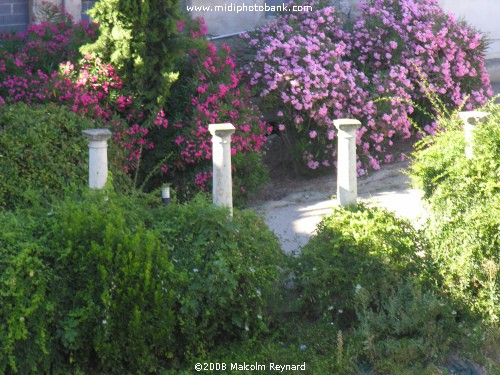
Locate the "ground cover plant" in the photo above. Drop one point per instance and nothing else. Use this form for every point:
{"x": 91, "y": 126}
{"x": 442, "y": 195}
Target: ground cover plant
{"x": 312, "y": 67}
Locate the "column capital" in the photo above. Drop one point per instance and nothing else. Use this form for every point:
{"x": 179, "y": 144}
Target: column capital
{"x": 97, "y": 135}
{"x": 347, "y": 125}
{"x": 221, "y": 130}
{"x": 472, "y": 117}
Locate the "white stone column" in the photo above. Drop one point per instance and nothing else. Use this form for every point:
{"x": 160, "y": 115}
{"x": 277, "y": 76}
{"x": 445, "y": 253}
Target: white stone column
{"x": 221, "y": 157}
{"x": 471, "y": 120}
{"x": 347, "y": 188}
{"x": 98, "y": 156}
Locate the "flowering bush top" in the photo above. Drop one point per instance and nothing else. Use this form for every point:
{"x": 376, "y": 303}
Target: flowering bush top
{"x": 313, "y": 69}
{"x": 43, "y": 65}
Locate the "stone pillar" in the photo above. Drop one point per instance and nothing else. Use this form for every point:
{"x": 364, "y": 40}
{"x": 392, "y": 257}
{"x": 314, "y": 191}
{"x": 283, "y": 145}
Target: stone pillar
{"x": 221, "y": 157}
{"x": 471, "y": 120}
{"x": 98, "y": 156}
{"x": 347, "y": 188}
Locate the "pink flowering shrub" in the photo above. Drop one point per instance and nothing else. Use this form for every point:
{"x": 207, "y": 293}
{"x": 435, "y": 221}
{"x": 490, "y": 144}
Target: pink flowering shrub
{"x": 43, "y": 46}
{"x": 404, "y": 44}
{"x": 169, "y": 144}
{"x": 43, "y": 65}
{"x": 311, "y": 68}
{"x": 209, "y": 91}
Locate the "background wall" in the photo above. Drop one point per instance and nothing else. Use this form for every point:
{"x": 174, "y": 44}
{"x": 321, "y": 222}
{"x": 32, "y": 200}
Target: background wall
{"x": 484, "y": 15}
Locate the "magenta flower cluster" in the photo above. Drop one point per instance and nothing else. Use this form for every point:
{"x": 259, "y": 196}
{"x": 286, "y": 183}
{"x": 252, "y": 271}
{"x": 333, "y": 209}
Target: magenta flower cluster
{"x": 42, "y": 65}
{"x": 36, "y": 67}
{"x": 312, "y": 68}
{"x": 218, "y": 96}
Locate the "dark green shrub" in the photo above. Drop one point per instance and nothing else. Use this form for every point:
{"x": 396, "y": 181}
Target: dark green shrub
{"x": 114, "y": 287}
{"x": 355, "y": 248}
{"x": 226, "y": 272}
{"x": 142, "y": 40}
{"x": 112, "y": 284}
{"x": 25, "y": 311}
{"x": 42, "y": 154}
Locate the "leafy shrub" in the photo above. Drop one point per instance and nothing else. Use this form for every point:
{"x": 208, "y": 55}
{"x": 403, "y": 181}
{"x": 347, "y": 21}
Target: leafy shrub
{"x": 114, "y": 288}
{"x": 465, "y": 248}
{"x": 313, "y": 67}
{"x": 115, "y": 284}
{"x": 142, "y": 40}
{"x": 405, "y": 329}
{"x": 434, "y": 164}
{"x": 43, "y": 154}
{"x": 227, "y": 271}
{"x": 464, "y": 195}
{"x": 356, "y": 248}
{"x": 25, "y": 310}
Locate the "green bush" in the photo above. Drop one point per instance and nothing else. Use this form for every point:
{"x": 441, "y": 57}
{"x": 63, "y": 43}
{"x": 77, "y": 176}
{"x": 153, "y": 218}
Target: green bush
{"x": 113, "y": 284}
{"x": 465, "y": 249}
{"x": 25, "y": 310}
{"x": 405, "y": 330}
{"x": 114, "y": 288}
{"x": 227, "y": 272}
{"x": 42, "y": 154}
{"x": 464, "y": 195}
{"x": 433, "y": 165}
{"x": 355, "y": 248}
{"x": 142, "y": 40}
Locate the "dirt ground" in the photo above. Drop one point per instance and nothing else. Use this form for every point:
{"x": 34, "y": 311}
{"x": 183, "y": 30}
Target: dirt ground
{"x": 292, "y": 206}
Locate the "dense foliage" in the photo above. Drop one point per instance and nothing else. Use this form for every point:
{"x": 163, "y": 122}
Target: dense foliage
{"x": 160, "y": 142}
{"x": 44, "y": 154}
{"x": 313, "y": 67}
{"x": 99, "y": 282}
{"x": 114, "y": 284}
{"x": 463, "y": 195}
{"x": 358, "y": 248}
{"x": 141, "y": 39}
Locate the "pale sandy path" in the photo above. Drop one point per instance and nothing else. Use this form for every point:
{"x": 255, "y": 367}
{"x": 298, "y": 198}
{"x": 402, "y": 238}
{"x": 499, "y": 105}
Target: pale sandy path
{"x": 294, "y": 218}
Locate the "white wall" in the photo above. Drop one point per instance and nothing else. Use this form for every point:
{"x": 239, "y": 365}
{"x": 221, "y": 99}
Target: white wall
{"x": 229, "y": 20}
{"x": 482, "y": 14}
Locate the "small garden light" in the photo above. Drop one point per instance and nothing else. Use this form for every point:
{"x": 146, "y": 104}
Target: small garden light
{"x": 165, "y": 194}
